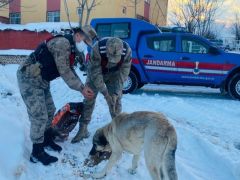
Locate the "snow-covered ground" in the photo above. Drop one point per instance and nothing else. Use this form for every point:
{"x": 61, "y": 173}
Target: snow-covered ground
{"x": 42, "y": 26}
{"x": 17, "y": 52}
{"x": 236, "y": 52}
{"x": 207, "y": 124}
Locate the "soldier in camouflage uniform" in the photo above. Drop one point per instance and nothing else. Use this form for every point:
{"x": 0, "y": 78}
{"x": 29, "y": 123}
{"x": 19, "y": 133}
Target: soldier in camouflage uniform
{"x": 83, "y": 49}
{"x": 53, "y": 58}
{"x": 108, "y": 68}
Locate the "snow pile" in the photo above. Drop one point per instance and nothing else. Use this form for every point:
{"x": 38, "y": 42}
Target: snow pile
{"x": 207, "y": 124}
{"x": 234, "y": 52}
{"x": 12, "y": 127}
{"x": 42, "y": 26}
{"x": 17, "y": 52}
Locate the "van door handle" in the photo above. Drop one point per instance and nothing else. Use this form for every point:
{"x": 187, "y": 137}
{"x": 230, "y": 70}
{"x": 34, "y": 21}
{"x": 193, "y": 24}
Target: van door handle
{"x": 184, "y": 58}
{"x": 148, "y": 56}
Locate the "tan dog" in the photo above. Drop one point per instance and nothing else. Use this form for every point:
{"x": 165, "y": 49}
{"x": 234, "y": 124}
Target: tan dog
{"x": 133, "y": 132}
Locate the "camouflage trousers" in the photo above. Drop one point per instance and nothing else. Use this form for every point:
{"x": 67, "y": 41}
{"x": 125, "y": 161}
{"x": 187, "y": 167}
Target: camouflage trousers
{"x": 89, "y": 105}
{"x": 38, "y": 99}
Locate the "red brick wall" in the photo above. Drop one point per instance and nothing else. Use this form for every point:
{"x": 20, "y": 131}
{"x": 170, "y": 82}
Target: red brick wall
{"x": 15, "y": 6}
{"x": 10, "y": 39}
{"x": 146, "y": 10}
{"x": 53, "y": 5}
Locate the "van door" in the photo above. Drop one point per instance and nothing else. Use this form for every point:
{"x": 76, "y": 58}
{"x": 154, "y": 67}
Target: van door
{"x": 197, "y": 65}
{"x": 158, "y": 57}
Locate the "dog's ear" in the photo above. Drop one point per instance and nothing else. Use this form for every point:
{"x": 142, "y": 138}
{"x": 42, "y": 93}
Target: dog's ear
{"x": 93, "y": 150}
{"x": 102, "y": 139}
{"x": 99, "y": 138}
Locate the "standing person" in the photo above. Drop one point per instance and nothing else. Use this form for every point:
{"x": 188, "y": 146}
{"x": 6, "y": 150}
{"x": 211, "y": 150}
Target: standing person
{"x": 83, "y": 48}
{"x": 52, "y": 59}
{"x": 108, "y": 68}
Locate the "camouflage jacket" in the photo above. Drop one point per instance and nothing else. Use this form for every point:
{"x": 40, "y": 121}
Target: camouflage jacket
{"x": 96, "y": 76}
{"x": 61, "y": 49}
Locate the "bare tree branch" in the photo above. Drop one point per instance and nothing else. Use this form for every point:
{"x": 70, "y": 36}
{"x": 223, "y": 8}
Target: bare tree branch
{"x": 236, "y": 26}
{"x": 135, "y": 4}
{"x": 90, "y": 4}
{"x": 67, "y": 12}
{"x": 3, "y": 3}
{"x": 87, "y": 5}
{"x": 156, "y": 10}
{"x": 197, "y": 16}
{"x": 81, "y": 4}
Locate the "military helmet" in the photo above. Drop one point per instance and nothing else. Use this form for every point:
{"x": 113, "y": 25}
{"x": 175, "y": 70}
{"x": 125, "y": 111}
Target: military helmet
{"x": 90, "y": 34}
{"x": 114, "y": 49}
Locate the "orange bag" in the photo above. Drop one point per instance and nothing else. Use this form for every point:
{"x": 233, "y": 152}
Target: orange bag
{"x": 66, "y": 119}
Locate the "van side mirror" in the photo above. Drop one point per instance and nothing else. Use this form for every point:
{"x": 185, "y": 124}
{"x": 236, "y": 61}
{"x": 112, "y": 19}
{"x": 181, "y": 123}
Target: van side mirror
{"x": 213, "y": 50}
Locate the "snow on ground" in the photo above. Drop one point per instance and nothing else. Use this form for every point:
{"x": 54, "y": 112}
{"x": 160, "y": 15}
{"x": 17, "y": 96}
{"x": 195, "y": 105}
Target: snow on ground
{"x": 207, "y": 124}
{"x": 42, "y": 26}
{"x": 235, "y": 52}
{"x": 17, "y": 52}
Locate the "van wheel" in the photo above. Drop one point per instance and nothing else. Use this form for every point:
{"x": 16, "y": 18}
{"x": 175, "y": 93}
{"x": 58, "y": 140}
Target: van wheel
{"x": 234, "y": 87}
{"x": 140, "y": 85}
{"x": 131, "y": 84}
{"x": 223, "y": 90}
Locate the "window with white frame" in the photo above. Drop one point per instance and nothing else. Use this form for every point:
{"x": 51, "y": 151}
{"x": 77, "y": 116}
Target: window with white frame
{"x": 15, "y": 18}
{"x": 53, "y": 16}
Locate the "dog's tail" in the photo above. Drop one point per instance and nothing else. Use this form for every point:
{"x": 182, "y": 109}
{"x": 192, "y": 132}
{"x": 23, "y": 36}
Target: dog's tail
{"x": 168, "y": 167}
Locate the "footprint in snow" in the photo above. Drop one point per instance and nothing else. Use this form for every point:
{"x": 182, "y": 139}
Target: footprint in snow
{"x": 237, "y": 145}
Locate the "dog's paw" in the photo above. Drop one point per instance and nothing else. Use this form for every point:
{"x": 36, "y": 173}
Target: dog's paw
{"x": 132, "y": 171}
{"x": 98, "y": 175}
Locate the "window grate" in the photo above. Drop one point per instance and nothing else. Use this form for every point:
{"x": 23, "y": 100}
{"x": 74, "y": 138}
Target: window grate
{"x": 53, "y": 16}
{"x": 15, "y": 18}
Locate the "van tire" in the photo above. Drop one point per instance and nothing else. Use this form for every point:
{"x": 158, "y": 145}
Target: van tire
{"x": 223, "y": 90}
{"x": 131, "y": 84}
{"x": 140, "y": 85}
{"x": 234, "y": 87}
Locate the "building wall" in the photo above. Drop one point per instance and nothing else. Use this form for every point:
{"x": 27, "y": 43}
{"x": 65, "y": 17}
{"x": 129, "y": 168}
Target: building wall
{"x": 107, "y": 8}
{"x": 33, "y": 11}
{"x": 36, "y": 10}
{"x": 159, "y": 15}
{"x": 53, "y": 5}
{"x": 11, "y": 39}
{"x": 15, "y": 6}
{"x": 4, "y": 13}
{"x": 147, "y": 10}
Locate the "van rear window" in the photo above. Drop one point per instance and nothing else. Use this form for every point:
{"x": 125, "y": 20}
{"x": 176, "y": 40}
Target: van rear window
{"x": 120, "y": 30}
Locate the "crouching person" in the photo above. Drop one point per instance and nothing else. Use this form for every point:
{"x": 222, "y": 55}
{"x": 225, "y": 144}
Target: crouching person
{"x": 109, "y": 67}
{"x": 52, "y": 58}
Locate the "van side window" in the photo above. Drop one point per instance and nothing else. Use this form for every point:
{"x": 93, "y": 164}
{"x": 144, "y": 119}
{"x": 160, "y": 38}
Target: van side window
{"x": 163, "y": 44}
{"x": 193, "y": 46}
{"x": 120, "y": 30}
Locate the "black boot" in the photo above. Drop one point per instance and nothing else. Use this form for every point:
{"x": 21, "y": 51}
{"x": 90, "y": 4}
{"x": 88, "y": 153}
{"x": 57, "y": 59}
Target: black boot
{"x": 49, "y": 137}
{"x": 38, "y": 154}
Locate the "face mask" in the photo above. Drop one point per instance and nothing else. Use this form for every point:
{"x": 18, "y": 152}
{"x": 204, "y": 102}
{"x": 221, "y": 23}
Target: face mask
{"x": 81, "y": 46}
